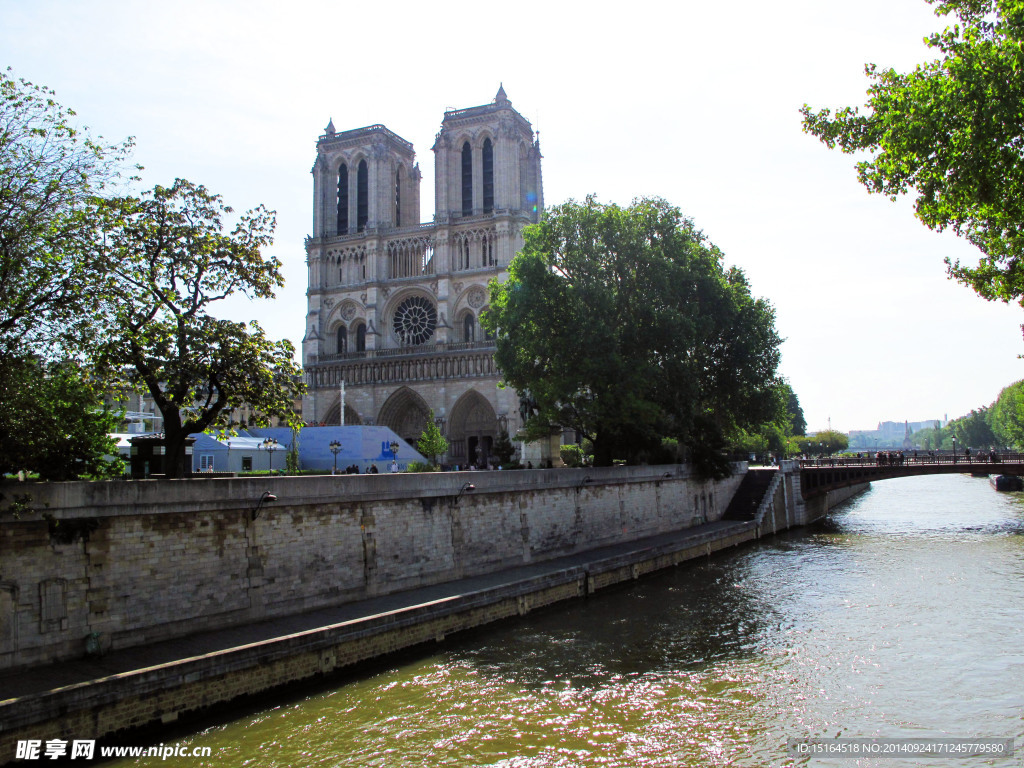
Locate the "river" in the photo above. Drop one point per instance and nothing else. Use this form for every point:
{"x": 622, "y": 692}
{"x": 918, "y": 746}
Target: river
{"x": 898, "y": 617}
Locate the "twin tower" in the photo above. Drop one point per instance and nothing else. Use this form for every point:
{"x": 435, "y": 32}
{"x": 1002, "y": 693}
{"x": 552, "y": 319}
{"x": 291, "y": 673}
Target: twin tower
{"x": 393, "y": 322}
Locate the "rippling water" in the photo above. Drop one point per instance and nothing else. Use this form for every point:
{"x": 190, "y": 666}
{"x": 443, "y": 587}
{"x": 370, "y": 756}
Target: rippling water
{"x": 900, "y": 616}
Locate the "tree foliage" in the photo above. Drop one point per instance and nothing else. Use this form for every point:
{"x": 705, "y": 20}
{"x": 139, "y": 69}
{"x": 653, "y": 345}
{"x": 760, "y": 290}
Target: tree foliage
{"x": 797, "y": 423}
{"x": 824, "y": 443}
{"x": 973, "y": 430}
{"x": 623, "y": 324}
{"x": 1007, "y": 416}
{"x": 168, "y": 259}
{"x": 53, "y": 422}
{"x": 50, "y": 174}
{"x": 432, "y": 443}
{"x": 952, "y": 130}
{"x": 503, "y": 449}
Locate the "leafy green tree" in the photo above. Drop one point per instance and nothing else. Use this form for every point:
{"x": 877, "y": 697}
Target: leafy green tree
{"x": 622, "y": 323}
{"x": 973, "y": 430}
{"x": 503, "y": 449}
{"x": 168, "y": 259}
{"x": 1008, "y": 416}
{"x": 432, "y": 443}
{"x": 53, "y": 422}
{"x": 797, "y": 422}
{"x": 50, "y": 173}
{"x": 931, "y": 438}
{"x": 824, "y": 443}
{"x": 951, "y": 130}
{"x": 292, "y": 457}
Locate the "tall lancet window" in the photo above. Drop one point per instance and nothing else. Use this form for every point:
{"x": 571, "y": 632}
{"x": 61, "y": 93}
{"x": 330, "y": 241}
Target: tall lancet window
{"x": 343, "y": 200}
{"x": 467, "y": 180}
{"x": 362, "y": 196}
{"x": 398, "y": 198}
{"x": 488, "y": 158}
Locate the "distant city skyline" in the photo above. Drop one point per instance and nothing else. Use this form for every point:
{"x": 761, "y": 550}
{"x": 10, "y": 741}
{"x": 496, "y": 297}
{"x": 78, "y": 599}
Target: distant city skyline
{"x": 697, "y": 103}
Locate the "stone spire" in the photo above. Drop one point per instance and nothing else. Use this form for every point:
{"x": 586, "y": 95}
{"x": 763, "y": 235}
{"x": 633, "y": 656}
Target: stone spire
{"x": 329, "y": 130}
{"x": 501, "y": 99}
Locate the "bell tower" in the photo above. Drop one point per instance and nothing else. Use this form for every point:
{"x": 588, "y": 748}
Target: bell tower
{"x": 487, "y": 161}
{"x": 364, "y": 179}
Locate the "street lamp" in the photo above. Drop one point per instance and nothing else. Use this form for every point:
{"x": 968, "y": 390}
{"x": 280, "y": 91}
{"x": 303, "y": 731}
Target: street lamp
{"x": 269, "y": 445}
{"x": 335, "y": 449}
{"x": 394, "y": 455}
{"x": 954, "y": 450}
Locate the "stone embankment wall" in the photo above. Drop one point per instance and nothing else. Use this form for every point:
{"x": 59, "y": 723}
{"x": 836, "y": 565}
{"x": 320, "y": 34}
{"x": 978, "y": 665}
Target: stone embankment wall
{"x": 128, "y": 563}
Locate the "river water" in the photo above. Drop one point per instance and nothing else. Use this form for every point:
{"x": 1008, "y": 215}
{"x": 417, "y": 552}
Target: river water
{"x": 898, "y": 617}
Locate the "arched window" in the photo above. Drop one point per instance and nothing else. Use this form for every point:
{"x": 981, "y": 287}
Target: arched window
{"x": 342, "y": 339}
{"x": 398, "y": 198}
{"x": 468, "y": 327}
{"x": 467, "y": 180}
{"x": 343, "y": 200}
{"x": 361, "y": 337}
{"x": 488, "y": 158}
{"x": 362, "y": 196}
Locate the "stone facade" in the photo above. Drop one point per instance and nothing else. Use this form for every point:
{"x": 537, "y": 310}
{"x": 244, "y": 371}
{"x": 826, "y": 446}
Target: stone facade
{"x": 393, "y": 318}
{"x": 143, "y": 561}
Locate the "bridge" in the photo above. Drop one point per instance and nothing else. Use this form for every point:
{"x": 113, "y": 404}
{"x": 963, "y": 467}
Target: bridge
{"x": 819, "y": 476}
{"x": 797, "y": 491}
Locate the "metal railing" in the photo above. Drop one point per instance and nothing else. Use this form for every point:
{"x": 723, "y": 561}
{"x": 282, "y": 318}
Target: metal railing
{"x": 909, "y": 459}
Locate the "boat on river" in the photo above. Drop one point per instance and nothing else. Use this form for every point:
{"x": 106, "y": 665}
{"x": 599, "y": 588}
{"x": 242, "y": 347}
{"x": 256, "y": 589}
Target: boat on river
{"x": 1006, "y": 482}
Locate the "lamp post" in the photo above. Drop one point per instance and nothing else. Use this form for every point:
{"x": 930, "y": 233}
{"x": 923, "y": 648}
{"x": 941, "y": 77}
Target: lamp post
{"x": 270, "y": 445}
{"x": 954, "y": 450}
{"x": 335, "y": 449}
{"x": 394, "y": 455}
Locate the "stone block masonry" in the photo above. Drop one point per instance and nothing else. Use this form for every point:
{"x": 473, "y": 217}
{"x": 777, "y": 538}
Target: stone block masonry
{"x": 160, "y": 684}
{"x": 124, "y": 564}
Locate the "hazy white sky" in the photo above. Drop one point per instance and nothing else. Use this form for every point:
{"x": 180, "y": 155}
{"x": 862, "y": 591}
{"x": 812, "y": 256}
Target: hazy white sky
{"x": 695, "y": 102}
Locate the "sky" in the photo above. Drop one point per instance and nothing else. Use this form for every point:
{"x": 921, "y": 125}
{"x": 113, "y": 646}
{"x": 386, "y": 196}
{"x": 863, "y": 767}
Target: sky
{"x": 694, "y": 102}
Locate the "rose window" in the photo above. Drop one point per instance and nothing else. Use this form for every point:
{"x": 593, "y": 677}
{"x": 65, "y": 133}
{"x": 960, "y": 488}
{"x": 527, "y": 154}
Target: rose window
{"x": 415, "y": 320}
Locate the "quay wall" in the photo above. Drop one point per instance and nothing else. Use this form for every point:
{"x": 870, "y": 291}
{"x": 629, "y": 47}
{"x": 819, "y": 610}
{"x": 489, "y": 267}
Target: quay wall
{"x": 120, "y": 564}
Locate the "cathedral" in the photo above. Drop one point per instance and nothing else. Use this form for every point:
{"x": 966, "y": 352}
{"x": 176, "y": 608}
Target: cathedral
{"x": 393, "y": 324}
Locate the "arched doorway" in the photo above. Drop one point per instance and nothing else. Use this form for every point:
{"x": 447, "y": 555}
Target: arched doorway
{"x": 351, "y": 417}
{"x": 405, "y": 413}
{"x": 472, "y": 430}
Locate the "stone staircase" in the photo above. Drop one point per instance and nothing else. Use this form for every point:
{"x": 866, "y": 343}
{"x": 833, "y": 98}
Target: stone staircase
{"x": 745, "y": 503}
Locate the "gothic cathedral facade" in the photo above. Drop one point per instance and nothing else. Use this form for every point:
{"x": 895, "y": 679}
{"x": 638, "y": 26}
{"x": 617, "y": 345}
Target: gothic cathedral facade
{"x": 393, "y": 325}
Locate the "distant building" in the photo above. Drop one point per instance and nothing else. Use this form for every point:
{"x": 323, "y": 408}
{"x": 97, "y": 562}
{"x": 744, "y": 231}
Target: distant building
{"x": 891, "y": 434}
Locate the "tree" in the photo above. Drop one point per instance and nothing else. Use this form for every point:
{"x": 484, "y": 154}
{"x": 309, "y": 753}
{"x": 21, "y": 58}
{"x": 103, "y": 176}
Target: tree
{"x": 622, "y": 323}
{"x": 50, "y": 174}
{"x": 432, "y": 443}
{"x": 168, "y": 260}
{"x": 53, "y": 422}
{"x": 823, "y": 443}
{"x": 974, "y": 429}
{"x": 797, "y": 422}
{"x": 951, "y": 130}
{"x": 1008, "y": 415}
{"x": 503, "y": 449}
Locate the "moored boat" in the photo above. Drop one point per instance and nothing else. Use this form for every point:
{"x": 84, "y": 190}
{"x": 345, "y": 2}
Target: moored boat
{"x": 1006, "y": 482}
